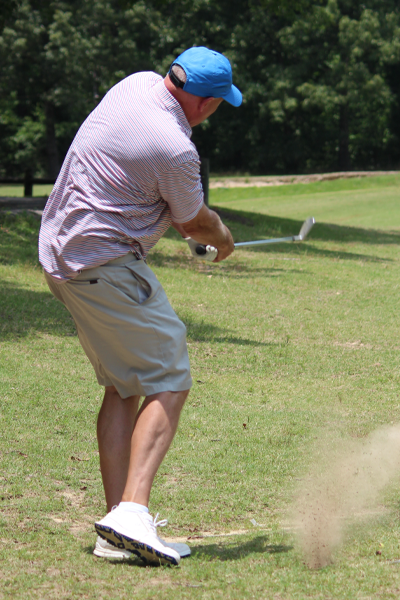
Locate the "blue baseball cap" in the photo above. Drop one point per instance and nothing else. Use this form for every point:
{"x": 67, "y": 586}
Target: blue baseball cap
{"x": 208, "y": 74}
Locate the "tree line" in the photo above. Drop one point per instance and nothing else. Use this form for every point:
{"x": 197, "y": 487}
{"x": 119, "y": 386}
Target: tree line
{"x": 320, "y": 79}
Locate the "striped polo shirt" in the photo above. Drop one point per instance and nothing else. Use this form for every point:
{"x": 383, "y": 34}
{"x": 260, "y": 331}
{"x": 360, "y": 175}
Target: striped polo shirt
{"x": 130, "y": 171}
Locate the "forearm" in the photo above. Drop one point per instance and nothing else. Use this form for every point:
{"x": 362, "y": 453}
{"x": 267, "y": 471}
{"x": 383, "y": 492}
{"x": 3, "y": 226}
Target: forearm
{"x": 207, "y": 228}
{"x": 179, "y": 229}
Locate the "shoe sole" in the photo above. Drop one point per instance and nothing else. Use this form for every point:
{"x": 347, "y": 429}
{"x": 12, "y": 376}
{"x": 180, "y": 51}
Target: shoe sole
{"x": 112, "y": 555}
{"x": 146, "y": 553}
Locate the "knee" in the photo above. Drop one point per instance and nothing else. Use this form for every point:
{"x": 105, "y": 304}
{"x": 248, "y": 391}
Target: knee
{"x": 110, "y": 394}
{"x": 185, "y": 394}
{"x": 110, "y": 390}
{"x": 180, "y": 398}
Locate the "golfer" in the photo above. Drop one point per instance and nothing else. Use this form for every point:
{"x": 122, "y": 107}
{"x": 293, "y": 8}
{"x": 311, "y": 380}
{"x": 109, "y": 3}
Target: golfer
{"x": 129, "y": 174}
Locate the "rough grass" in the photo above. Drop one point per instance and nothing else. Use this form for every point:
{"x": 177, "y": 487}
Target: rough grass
{"x": 287, "y": 343}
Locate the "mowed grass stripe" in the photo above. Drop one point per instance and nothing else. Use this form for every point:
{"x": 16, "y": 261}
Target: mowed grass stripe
{"x": 344, "y": 207}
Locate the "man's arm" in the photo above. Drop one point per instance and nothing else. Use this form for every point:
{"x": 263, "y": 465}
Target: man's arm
{"x": 207, "y": 228}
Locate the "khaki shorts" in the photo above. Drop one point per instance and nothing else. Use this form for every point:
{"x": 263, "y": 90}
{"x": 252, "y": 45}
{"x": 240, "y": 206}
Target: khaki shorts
{"x": 127, "y": 327}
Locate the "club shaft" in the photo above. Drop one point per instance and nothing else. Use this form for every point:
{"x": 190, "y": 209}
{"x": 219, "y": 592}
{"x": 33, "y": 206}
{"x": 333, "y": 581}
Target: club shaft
{"x": 292, "y": 238}
{"x": 304, "y": 231}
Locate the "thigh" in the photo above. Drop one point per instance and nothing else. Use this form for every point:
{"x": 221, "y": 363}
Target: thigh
{"x": 57, "y": 290}
{"x": 129, "y": 326}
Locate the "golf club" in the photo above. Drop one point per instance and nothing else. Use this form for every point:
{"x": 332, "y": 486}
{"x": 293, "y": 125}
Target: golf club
{"x": 304, "y": 231}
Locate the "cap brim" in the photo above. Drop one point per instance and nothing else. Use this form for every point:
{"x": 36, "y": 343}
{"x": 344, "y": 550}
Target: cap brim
{"x": 234, "y": 96}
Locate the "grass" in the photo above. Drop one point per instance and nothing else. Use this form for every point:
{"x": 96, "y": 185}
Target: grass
{"x": 286, "y": 343}
{"x": 353, "y": 202}
{"x": 16, "y": 190}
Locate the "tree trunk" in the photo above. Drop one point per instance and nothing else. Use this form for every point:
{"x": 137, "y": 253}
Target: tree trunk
{"x": 28, "y": 184}
{"x": 344, "y": 155}
{"x": 53, "y": 162}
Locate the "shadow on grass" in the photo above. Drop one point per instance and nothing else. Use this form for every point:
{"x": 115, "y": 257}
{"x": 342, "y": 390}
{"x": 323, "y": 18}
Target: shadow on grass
{"x": 244, "y": 270}
{"x": 222, "y": 552}
{"x": 307, "y": 249}
{"x": 232, "y": 270}
{"x": 237, "y": 550}
{"x": 269, "y": 226}
{"x": 202, "y": 331}
{"x": 249, "y": 226}
{"x": 19, "y": 238}
{"x": 134, "y": 561}
{"x": 23, "y": 312}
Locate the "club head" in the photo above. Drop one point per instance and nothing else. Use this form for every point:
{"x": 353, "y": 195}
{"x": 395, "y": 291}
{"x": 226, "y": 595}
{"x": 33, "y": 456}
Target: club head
{"x": 305, "y": 229}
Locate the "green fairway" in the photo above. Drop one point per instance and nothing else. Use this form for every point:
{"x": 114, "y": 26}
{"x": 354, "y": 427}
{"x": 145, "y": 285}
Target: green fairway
{"x": 370, "y": 202}
{"x": 17, "y": 191}
{"x": 290, "y": 344}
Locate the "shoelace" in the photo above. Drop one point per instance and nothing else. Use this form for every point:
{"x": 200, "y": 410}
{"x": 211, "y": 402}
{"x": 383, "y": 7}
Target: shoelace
{"x": 161, "y": 523}
{"x": 154, "y": 523}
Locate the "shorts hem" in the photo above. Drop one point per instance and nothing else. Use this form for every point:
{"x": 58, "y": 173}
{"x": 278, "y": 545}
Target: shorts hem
{"x": 149, "y": 390}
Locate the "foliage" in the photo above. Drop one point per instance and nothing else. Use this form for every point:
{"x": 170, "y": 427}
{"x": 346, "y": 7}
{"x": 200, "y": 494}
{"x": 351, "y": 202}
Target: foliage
{"x": 59, "y": 59}
{"x": 316, "y": 92}
{"x": 336, "y": 65}
{"x": 319, "y": 77}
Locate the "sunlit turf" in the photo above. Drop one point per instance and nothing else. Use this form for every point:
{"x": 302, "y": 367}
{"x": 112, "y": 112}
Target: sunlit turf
{"x": 17, "y": 190}
{"x": 286, "y": 342}
{"x": 368, "y": 202}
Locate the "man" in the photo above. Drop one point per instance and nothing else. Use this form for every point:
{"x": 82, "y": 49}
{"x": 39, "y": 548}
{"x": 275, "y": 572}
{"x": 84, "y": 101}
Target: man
{"x": 129, "y": 174}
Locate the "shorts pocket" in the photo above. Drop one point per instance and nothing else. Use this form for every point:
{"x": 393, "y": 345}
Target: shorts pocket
{"x": 144, "y": 288}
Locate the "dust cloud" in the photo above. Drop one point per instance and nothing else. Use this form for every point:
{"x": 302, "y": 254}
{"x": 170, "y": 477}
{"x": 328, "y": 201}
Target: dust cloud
{"x": 346, "y": 481}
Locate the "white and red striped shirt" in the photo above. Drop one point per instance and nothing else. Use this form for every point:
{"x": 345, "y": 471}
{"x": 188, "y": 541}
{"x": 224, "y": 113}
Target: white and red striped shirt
{"x": 130, "y": 170}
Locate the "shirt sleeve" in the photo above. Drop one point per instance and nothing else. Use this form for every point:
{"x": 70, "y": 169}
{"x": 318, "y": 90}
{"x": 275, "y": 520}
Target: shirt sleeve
{"x": 181, "y": 188}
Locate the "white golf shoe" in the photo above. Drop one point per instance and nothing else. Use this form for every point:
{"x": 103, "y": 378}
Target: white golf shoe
{"x": 104, "y": 549}
{"x": 136, "y": 533}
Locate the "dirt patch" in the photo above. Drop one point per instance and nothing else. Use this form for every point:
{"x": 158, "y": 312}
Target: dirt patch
{"x": 159, "y": 581}
{"x": 346, "y": 481}
{"x": 209, "y": 534}
{"x": 354, "y": 345}
{"x": 81, "y": 521}
{"x": 73, "y": 498}
{"x": 231, "y": 182}
{"x": 53, "y": 572}
{"x": 77, "y": 528}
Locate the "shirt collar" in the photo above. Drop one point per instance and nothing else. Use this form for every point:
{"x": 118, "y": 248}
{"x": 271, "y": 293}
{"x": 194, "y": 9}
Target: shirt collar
{"x": 173, "y": 106}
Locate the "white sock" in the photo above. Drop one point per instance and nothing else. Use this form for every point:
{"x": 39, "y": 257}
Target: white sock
{"x": 133, "y": 507}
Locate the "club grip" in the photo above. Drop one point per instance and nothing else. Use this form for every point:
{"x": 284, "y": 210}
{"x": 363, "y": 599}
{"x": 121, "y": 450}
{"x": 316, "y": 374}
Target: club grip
{"x": 201, "y": 250}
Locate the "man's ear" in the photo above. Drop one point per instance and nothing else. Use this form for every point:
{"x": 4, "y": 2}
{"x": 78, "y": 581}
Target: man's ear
{"x": 203, "y": 104}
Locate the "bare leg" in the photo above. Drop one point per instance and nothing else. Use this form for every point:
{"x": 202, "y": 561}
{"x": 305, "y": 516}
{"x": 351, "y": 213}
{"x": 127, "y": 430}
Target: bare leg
{"x": 154, "y": 431}
{"x": 115, "y": 425}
